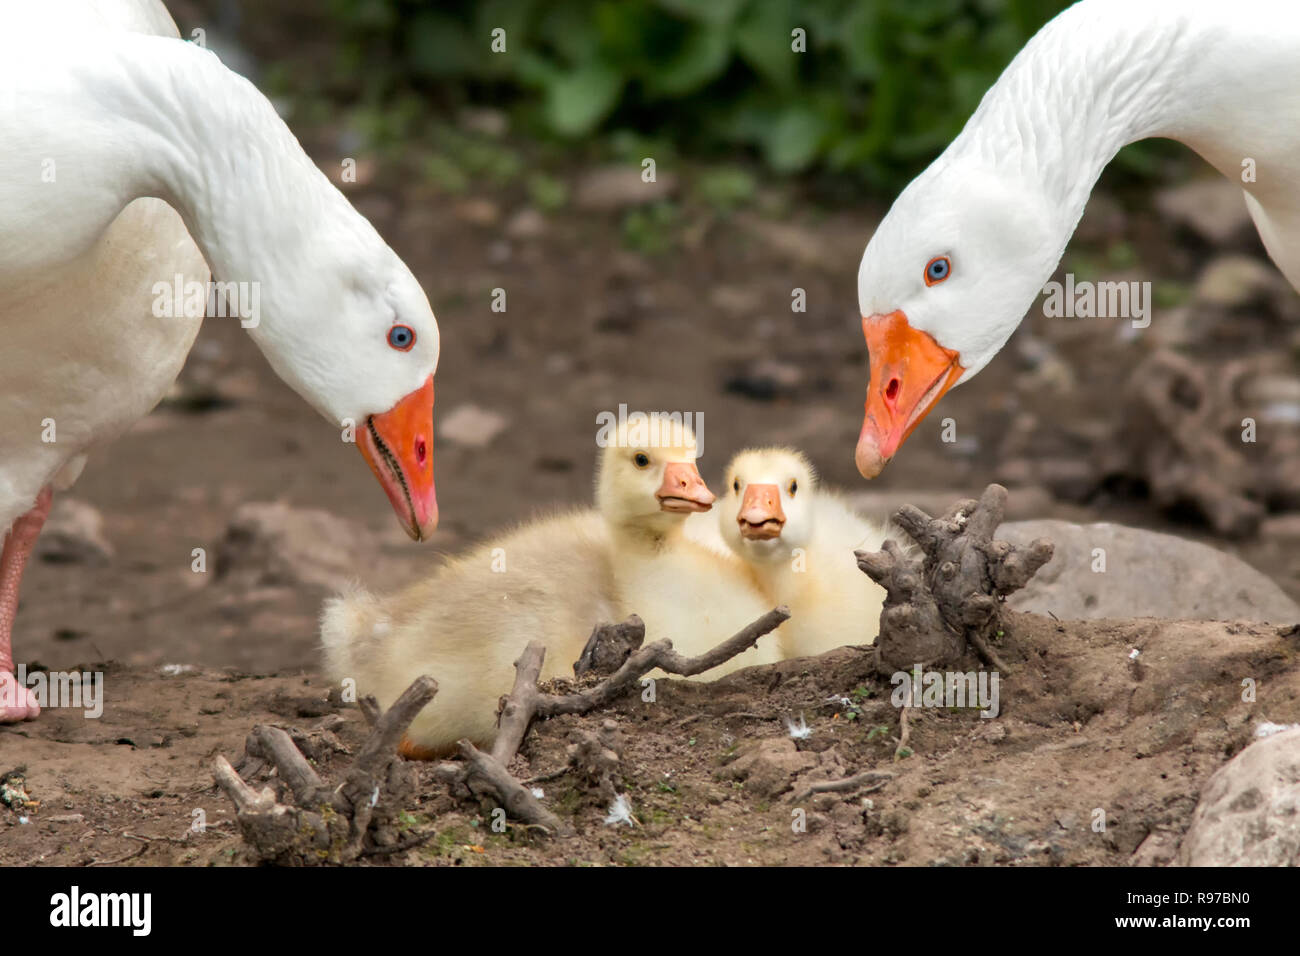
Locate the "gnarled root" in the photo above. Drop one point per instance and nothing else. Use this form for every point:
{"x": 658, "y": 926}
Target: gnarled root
{"x": 324, "y": 824}
{"x": 938, "y": 604}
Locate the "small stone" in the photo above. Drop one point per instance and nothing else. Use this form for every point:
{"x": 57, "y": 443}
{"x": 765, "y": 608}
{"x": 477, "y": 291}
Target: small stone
{"x": 1214, "y": 208}
{"x": 1281, "y": 527}
{"x": 769, "y": 767}
{"x": 816, "y": 822}
{"x": 488, "y": 122}
{"x": 735, "y": 300}
{"x": 765, "y": 380}
{"x": 1071, "y": 479}
{"x": 614, "y": 188}
{"x": 527, "y": 223}
{"x": 1277, "y": 396}
{"x": 211, "y": 379}
{"x": 471, "y": 426}
{"x": 558, "y": 363}
{"x": 73, "y": 534}
{"x": 1158, "y": 849}
{"x": 801, "y": 245}
{"x": 1231, "y": 282}
{"x": 478, "y": 212}
{"x": 273, "y": 544}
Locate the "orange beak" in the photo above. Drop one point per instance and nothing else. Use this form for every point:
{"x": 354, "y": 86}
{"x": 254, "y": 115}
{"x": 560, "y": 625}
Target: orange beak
{"x": 398, "y": 447}
{"x": 910, "y": 372}
{"x": 761, "y": 517}
{"x": 683, "y": 490}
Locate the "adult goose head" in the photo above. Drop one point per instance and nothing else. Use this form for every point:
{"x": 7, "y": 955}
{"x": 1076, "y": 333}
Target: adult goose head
{"x": 969, "y": 244}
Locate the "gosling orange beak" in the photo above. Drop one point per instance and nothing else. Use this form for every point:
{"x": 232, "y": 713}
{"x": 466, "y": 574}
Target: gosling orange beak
{"x": 398, "y": 447}
{"x": 761, "y": 517}
{"x": 910, "y": 372}
{"x": 683, "y": 490}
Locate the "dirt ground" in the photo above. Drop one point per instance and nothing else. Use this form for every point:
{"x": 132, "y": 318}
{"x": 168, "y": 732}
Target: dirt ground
{"x": 590, "y": 324}
{"x": 711, "y": 771}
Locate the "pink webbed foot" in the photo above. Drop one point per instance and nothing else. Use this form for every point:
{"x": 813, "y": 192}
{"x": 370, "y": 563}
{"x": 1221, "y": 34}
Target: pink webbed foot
{"x": 17, "y": 703}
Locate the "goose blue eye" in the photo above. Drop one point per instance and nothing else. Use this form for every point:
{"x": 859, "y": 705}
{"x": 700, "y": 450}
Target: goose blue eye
{"x": 937, "y": 269}
{"x": 401, "y": 337}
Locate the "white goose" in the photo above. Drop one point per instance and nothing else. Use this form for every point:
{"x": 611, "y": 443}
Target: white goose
{"x": 130, "y": 158}
{"x": 969, "y": 244}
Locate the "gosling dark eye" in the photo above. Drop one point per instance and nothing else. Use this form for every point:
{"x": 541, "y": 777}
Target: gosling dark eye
{"x": 794, "y": 486}
{"x": 937, "y": 269}
{"x": 642, "y": 459}
{"x": 401, "y": 337}
{"x": 735, "y": 485}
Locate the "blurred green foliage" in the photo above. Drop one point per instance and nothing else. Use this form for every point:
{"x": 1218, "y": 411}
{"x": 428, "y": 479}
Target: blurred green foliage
{"x": 882, "y": 87}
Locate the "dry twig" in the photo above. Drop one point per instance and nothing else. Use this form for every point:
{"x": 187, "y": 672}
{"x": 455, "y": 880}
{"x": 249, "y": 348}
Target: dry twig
{"x": 878, "y": 779}
{"x": 486, "y": 774}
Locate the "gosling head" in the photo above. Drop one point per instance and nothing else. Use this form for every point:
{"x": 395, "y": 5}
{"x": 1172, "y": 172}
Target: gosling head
{"x": 647, "y": 479}
{"x": 767, "y": 512}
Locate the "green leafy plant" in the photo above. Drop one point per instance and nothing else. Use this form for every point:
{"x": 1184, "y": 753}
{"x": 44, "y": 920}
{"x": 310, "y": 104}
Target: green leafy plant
{"x": 870, "y": 87}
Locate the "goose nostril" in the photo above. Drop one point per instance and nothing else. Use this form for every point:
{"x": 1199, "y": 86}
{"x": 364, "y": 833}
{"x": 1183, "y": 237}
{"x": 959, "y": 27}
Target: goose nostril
{"x": 891, "y": 390}
{"x": 421, "y": 451}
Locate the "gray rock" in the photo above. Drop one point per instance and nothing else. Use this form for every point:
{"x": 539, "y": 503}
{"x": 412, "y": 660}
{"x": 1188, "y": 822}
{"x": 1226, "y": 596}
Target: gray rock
{"x": 1237, "y": 281}
{"x": 1158, "y": 849}
{"x": 527, "y": 223}
{"x": 1276, "y": 395}
{"x": 1249, "y": 814}
{"x": 268, "y": 544}
{"x": 488, "y": 122}
{"x": 611, "y": 188}
{"x": 1214, "y": 208}
{"x": 477, "y": 212}
{"x": 768, "y": 768}
{"x": 736, "y": 299}
{"x": 1281, "y": 527}
{"x": 801, "y": 245}
{"x": 212, "y": 378}
{"x": 766, "y": 379}
{"x": 73, "y": 534}
{"x": 1147, "y": 574}
{"x": 471, "y": 425}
